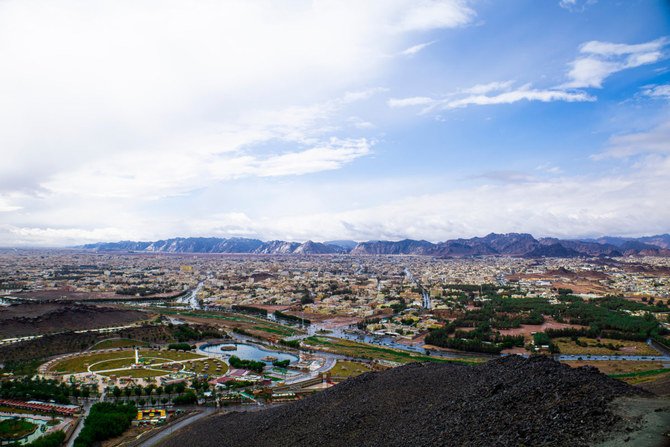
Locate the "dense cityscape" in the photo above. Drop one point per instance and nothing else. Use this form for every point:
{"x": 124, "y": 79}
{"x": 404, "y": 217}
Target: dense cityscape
{"x": 164, "y": 330}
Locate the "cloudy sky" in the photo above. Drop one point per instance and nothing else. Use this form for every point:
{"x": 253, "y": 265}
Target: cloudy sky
{"x": 332, "y": 119}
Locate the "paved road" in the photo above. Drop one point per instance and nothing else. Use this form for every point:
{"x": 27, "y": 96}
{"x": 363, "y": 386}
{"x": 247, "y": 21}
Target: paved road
{"x": 156, "y": 439}
{"x": 87, "y": 407}
{"x": 206, "y": 411}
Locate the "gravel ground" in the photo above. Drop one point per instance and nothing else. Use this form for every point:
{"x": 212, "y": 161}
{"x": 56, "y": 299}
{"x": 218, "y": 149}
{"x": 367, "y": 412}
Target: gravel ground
{"x": 509, "y": 401}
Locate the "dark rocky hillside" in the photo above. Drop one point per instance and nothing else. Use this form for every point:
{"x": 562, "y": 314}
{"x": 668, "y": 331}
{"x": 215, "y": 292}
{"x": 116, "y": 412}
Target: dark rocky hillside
{"x": 20, "y": 320}
{"x": 506, "y": 402}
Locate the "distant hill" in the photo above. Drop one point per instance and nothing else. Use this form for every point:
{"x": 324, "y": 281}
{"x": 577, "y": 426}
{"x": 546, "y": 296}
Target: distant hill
{"x": 346, "y": 244}
{"x": 218, "y": 245}
{"x": 406, "y": 246}
{"x": 509, "y": 401}
{"x": 510, "y": 244}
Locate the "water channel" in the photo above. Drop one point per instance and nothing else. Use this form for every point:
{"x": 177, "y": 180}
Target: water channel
{"x": 191, "y": 299}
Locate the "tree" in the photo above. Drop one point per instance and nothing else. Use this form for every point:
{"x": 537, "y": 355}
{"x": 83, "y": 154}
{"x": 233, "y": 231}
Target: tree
{"x": 116, "y": 391}
{"x": 105, "y": 420}
{"x": 148, "y": 389}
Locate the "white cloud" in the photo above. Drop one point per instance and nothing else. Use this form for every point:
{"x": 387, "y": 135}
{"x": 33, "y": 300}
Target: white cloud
{"x": 413, "y": 101}
{"x": 576, "y": 5}
{"x": 481, "y": 89}
{"x": 566, "y": 206}
{"x": 602, "y": 59}
{"x": 561, "y": 205}
{"x": 523, "y": 94}
{"x": 500, "y": 93}
{"x": 83, "y": 84}
{"x": 411, "y": 51}
{"x": 657, "y": 91}
{"x": 7, "y": 206}
{"x": 430, "y": 14}
{"x": 149, "y": 176}
{"x": 653, "y": 141}
{"x": 328, "y": 156}
{"x": 36, "y": 236}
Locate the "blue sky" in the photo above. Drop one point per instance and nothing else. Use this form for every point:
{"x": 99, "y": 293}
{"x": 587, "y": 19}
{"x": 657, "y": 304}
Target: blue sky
{"x": 328, "y": 120}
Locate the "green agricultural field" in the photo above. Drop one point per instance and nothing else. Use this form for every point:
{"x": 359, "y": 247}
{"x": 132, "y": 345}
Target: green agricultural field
{"x": 117, "y": 359}
{"x": 118, "y": 343}
{"x": 345, "y": 369}
{"x": 367, "y": 351}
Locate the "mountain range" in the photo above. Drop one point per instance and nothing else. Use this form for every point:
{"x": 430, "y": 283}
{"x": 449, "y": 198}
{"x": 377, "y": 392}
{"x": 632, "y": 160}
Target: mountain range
{"x": 510, "y": 244}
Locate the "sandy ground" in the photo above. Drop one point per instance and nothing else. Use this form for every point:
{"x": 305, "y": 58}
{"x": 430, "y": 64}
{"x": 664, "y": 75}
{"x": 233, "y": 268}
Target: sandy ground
{"x": 527, "y": 329}
{"x": 651, "y": 415}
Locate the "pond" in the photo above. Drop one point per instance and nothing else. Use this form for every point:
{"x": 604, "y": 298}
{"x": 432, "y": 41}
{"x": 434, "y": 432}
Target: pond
{"x": 247, "y": 352}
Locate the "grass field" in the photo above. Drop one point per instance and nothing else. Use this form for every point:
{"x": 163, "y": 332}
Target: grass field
{"x": 625, "y": 347}
{"x": 118, "y": 343}
{"x": 136, "y": 373}
{"x": 345, "y": 369}
{"x": 210, "y": 367}
{"x": 113, "y": 363}
{"x": 258, "y": 326}
{"x": 117, "y": 359}
{"x": 615, "y": 367}
{"x": 366, "y": 351}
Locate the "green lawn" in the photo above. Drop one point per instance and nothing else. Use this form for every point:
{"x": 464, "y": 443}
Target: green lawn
{"x": 118, "y": 359}
{"x": 16, "y": 428}
{"x": 344, "y": 369}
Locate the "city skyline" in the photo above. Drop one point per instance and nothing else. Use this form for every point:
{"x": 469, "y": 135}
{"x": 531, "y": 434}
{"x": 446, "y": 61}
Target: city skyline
{"x": 333, "y": 120}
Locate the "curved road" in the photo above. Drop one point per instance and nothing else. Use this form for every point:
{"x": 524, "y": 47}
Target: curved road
{"x": 160, "y": 436}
